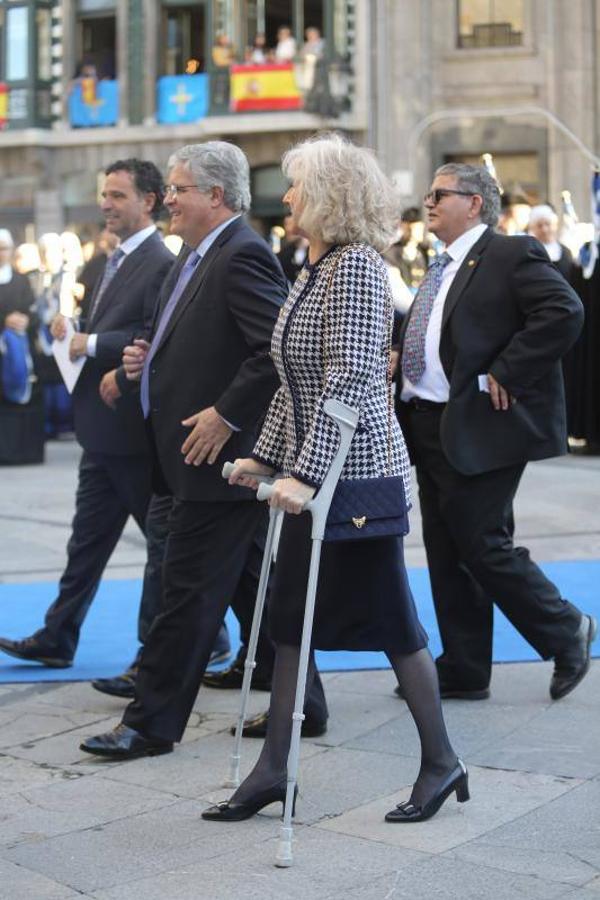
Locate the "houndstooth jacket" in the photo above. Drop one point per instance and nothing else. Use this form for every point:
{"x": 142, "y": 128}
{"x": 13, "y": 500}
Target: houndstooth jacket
{"x": 332, "y": 340}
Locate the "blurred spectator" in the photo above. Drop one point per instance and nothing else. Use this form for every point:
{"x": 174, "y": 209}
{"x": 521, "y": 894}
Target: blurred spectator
{"x": 543, "y": 225}
{"x": 584, "y": 423}
{"x": 285, "y": 51}
{"x": 292, "y": 255}
{"x": 222, "y": 52}
{"x": 257, "y": 53}
{"x": 57, "y": 401}
{"x": 21, "y": 412}
{"x": 410, "y": 254}
{"x": 314, "y": 44}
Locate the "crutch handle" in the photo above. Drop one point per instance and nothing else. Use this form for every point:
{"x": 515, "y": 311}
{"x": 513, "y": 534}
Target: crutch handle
{"x": 228, "y": 468}
{"x": 265, "y": 489}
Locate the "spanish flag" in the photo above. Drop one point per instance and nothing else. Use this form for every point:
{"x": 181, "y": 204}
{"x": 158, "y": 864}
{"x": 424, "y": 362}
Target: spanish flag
{"x": 267, "y": 87}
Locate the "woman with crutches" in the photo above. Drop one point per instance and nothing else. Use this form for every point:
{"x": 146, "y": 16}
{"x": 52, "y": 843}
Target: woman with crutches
{"x": 332, "y": 341}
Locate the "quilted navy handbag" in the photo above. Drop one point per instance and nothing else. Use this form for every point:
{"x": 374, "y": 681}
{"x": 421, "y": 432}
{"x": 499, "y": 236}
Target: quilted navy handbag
{"x": 364, "y": 508}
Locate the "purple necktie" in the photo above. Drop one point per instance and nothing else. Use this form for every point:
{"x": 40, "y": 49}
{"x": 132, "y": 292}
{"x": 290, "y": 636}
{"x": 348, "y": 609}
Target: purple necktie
{"x": 184, "y": 276}
{"x": 110, "y": 270}
{"x": 413, "y": 348}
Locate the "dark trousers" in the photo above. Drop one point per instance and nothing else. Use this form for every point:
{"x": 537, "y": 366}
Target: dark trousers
{"x": 473, "y": 562}
{"x": 110, "y": 489}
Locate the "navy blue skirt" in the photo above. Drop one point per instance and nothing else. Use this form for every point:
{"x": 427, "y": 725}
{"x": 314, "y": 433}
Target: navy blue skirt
{"x": 364, "y": 601}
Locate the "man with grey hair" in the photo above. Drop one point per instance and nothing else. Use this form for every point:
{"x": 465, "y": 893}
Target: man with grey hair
{"x": 481, "y": 394}
{"x": 205, "y": 381}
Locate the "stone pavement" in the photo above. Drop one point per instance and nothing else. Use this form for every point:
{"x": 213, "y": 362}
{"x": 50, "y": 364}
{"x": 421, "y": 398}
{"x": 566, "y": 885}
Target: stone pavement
{"x": 73, "y": 827}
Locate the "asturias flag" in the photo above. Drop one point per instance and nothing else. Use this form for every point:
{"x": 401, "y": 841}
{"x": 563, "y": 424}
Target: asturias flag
{"x": 264, "y": 88}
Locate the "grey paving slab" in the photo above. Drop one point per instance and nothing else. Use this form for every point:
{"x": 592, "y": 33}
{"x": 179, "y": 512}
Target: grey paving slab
{"x": 61, "y": 749}
{"x": 508, "y": 796}
{"x": 563, "y": 739}
{"x": 552, "y": 865}
{"x": 69, "y": 805}
{"x": 18, "y": 883}
{"x": 569, "y": 824}
{"x": 445, "y": 879}
{"x": 18, "y": 775}
{"x": 322, "y": 864}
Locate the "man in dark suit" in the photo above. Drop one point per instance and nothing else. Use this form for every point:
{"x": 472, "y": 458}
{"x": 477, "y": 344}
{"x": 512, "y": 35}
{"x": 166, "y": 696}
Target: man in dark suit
{"x": 115, "y": 471}
{"x": 481, "y": 394}
{"x": 206, "y": 380}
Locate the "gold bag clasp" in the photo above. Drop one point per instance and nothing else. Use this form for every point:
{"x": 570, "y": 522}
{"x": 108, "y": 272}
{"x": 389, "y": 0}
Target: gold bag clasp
{"x": 359, "y": 522}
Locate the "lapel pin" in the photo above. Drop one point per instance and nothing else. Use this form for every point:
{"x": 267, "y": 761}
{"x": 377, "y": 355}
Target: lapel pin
{"x": 471, "y": 262}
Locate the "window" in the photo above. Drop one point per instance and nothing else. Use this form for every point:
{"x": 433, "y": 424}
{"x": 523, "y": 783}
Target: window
{"x": 97, "y": 43}
{"x": 44, "y": 43}
{"x": 184, "y": 40}
{"x": 490, "y": 23}
{"x": 17, "y": 36}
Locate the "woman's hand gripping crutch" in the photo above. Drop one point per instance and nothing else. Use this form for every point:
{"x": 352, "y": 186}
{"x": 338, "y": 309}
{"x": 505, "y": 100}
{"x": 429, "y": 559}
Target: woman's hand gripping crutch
{"x": 346, "y": 419}
{"x": 238, "y": 475}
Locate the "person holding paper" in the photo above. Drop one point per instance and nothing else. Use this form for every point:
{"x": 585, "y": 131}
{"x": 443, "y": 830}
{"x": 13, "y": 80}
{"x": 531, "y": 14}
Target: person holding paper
{"x": 481, "y": 395}
{"x": 114, "y": 473}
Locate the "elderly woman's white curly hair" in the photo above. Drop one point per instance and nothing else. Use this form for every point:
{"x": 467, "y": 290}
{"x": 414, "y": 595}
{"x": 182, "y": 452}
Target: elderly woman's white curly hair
{"x": 345, "y": 194}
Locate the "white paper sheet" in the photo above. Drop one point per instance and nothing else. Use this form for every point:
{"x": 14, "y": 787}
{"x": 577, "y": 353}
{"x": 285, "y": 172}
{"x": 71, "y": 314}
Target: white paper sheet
{"x": 70, "y": 371}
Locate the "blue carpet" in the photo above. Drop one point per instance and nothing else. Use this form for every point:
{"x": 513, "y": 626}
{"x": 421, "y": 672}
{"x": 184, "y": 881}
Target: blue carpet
{"x": 108, "y": 641}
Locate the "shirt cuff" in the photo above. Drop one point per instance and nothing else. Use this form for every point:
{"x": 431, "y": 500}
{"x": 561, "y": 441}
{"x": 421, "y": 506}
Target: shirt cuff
{"x": 229, "y": 424}
{"x": 90, "y": 349}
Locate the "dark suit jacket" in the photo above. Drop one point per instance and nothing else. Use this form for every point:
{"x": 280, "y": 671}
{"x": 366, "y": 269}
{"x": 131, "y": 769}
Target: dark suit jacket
{"x": 125, "y": 312}
{"x": 215, "y": 351}
{"x": 508, "y": 312}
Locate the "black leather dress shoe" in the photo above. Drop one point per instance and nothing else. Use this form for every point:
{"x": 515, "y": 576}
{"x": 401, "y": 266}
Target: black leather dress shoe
{"x": 125, "y": 743}
{"x": 32, "y": 650}
{"x": 231, "y": 679}
{"x": 120, "y": 686}
{"x": 457, "y": 780}
{"x": 571, "y": 666}
{"x": 237, "y": 812}
{"x": 256, "y": 727}
{"x": 447, "y": 692}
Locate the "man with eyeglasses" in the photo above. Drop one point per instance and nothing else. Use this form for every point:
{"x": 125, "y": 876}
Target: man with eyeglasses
{"x": 205, "y": 381}
{"x": 480, "y": 395}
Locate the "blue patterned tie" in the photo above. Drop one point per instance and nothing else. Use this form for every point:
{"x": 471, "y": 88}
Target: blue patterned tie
{"x": 110, "y": 270}
{"x": 184, "y": 276}
{"x": 413, "y": 350}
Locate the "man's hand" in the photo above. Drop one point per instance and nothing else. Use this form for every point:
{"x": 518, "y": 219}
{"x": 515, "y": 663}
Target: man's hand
{"x": 501, "y": 399}
{"x": 58, "y": 328}
{"x": 109, "y": 389}
{"x": 134, "y": 357}
{"x": 244, "y": 469}
{"x": 291, "y": 495}
{"x": 394, "y": 357}
{"x": 17, "y": 321}
{"x": 78, "y": 346}
{"x": 207, "y": 438}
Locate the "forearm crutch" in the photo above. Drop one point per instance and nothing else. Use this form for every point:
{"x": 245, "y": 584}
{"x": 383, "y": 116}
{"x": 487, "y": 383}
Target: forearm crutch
{"x": 250, "y": 662}
{"x": 346, "y": 419}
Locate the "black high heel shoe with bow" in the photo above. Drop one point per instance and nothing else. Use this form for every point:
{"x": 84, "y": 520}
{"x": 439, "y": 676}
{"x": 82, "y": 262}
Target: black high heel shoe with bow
{"x": 457, "y": 780}
{"x": 237, "y": 812}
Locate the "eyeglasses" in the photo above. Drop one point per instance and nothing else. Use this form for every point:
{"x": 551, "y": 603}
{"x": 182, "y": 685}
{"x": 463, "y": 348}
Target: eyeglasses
{"x": 434, "y": 197}
{"x": 173, "y": 190}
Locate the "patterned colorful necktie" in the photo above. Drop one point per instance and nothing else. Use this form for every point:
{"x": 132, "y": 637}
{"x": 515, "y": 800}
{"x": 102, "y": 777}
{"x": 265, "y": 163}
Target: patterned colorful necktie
{"x": 413, "y": 350}
{"x": 110, "y": 270}
{"x": 184, "y": 276}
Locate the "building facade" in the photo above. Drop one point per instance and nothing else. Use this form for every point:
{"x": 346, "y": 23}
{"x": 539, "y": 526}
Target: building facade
{"x": 101, "y": 80}
{"x": 84, "y": 82}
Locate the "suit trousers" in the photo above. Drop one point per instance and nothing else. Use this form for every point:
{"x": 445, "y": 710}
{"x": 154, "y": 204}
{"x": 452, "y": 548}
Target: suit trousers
{"x": 207, "y": 547}
{"x": 473, "y": 562}
{"x": 242, "y": 600}
{"x": 109, "y": 490}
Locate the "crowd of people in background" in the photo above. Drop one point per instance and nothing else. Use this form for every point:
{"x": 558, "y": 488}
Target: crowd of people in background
{"x": 59, "y": 272}
{"x": 285, "y": 50}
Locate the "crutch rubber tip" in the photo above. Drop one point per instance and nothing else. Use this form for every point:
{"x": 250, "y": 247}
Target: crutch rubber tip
{"x": 284, "y": 859}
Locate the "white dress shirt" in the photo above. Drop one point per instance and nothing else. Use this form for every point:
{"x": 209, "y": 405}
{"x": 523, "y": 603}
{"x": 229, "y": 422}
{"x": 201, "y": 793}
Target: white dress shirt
{"x": 127, "y": 246}
{"x": 433, "y": 385}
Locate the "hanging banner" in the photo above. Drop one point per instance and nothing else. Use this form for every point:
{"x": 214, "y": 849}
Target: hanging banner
{"x": 181, "y": 98}
{"x": 268, "y": 87}
{"x": 94, "y": 103}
